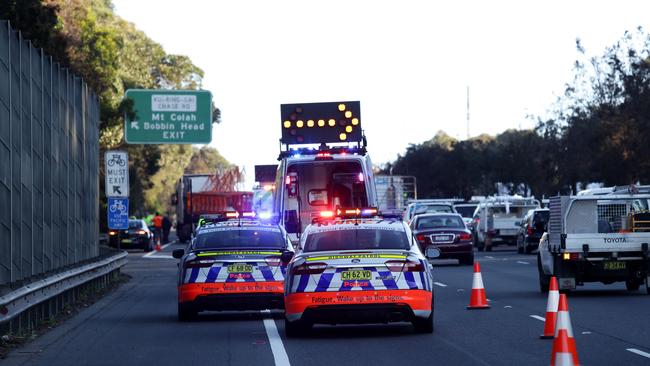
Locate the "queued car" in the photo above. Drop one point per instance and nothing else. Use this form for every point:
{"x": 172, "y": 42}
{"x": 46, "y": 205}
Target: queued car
{"x": 362, "y": 270}
{"x": 531, "y": 229}
{"x": 446, "y": 232}
{"x": 137, "y": 235}
{"x": 237, "y": 264}
{"x": 420, "y": 207}
{"x": 466, "y": 210}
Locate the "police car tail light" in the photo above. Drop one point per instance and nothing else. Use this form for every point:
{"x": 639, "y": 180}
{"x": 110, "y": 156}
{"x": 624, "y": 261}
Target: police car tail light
{"x": 309, "y": 268}
{"x": 273, "y": 261}
{"x": 404, "y": 266}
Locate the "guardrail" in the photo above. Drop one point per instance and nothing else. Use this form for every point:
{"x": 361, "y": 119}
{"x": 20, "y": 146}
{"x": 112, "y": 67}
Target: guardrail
{"x": 16, "y": 302}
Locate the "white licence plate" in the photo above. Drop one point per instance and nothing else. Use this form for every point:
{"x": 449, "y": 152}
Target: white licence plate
{"x": 442, "y": 238}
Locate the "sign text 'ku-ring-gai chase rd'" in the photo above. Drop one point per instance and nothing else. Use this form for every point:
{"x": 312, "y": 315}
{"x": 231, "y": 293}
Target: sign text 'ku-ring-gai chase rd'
{"x": 169, "y": 117}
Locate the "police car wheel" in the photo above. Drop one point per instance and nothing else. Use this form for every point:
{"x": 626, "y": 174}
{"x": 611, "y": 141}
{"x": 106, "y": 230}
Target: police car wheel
{"x": 424, "y": 325}
{"x": 296, "y": 328}
{"x": 186, "y": 313}
{"x": 544, "y": 280}
{"x": 632, "y": 285}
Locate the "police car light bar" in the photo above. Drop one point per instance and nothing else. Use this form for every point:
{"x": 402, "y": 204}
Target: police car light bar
{"x": 232, "y": 214}
{"x": 248, "y": 214}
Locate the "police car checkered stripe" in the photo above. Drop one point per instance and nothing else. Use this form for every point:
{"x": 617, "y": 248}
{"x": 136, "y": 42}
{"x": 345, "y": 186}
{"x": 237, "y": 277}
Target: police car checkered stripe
{"x": 218, "y": 272}
{"x": 329, "y": 281}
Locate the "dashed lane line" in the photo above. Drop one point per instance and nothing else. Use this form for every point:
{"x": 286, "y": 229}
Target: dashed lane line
{"x": 538, "y": 317}
{"x": 150, "y": 254}
{"x": 440, "y": 284}
{"x": 489, "y": 256}
{"x": 522, "y": 262}
{"x": 277, "y": 348}
{"x": 640, "y": 353}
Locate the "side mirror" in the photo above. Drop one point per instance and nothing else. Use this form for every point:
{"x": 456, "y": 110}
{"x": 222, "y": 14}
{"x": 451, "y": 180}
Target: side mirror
{"x": 286, "y": 256}
{"x": 178, "y": 253}
{"x": 432, "y": 253}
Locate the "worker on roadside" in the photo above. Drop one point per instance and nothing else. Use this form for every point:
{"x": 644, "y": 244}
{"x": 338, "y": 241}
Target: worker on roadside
{"x": 166, "y": 226}
{"x": 157, "y": 227}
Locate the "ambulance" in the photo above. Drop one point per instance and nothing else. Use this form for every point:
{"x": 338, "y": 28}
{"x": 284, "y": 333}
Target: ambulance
{"x": 355, "y": 267}
{"x": 323, "y": 164}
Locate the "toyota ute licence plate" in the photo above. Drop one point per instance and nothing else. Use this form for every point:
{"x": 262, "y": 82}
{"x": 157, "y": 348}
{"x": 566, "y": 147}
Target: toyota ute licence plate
{"x": 356, "y": 275}
{"x": 240, "y": 268}
{"x": 613, "y": 265}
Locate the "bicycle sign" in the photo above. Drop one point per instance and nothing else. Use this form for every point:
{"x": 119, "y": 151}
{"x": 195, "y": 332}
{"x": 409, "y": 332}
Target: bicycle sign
{"x": 118, "y": 213}
{"x": 117, "y": 173}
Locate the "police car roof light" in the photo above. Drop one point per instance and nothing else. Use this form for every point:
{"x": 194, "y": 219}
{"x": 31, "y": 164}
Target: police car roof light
{"x": 232, "y": 214}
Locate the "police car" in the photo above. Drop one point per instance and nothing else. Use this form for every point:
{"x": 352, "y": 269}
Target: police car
{"x": 239, "y": 264}
{"x": 358, "y": 270}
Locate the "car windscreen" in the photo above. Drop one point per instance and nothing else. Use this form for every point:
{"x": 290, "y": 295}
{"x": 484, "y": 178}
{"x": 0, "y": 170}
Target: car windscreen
{"x": 216, "y": 238}
{"x": 356, "y": 239}
{"x": 433, "y": 208}
{"x": 439, "y": 222}
{"x": 135, "y": 224}
{"x": 465, "y": 211}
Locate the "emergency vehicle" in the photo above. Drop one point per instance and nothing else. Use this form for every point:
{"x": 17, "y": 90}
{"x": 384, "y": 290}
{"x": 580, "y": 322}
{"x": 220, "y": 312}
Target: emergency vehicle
{"x": 239, "y": 264}
{"x": 354, "y": 267}
{"x": 323, "y": 164}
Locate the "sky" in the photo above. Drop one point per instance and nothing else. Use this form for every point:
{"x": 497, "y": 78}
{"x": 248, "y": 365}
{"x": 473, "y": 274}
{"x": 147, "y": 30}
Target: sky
{"x": 409, "y": 63}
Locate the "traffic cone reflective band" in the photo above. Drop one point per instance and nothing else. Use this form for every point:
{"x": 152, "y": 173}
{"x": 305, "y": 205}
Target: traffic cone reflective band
{"x": 478, "y": 299}
{"x": 158, "y": 248}
{"x": 564, "y": 345}
{"x": 551, "y": 310}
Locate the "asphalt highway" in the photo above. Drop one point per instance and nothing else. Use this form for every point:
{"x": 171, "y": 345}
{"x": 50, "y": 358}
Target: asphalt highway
{"x": 136, "y": 325}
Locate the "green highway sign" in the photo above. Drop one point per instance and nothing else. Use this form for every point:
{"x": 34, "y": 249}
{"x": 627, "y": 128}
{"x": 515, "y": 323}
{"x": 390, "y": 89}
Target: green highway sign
{"x": 169, "y": 117}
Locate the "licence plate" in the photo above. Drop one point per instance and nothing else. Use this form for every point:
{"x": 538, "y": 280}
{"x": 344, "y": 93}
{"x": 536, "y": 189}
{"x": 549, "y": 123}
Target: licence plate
{"x": 442, "y": 238}
{"x": 614, "y": 265}
{"x": 127, "y": 241}
{"x": 240, "y": 268}
{"x": 356, "y": 275}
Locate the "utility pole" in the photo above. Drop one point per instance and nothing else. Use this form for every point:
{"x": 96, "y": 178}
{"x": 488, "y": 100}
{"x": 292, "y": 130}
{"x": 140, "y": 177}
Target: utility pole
{"x": 468, "y": 112}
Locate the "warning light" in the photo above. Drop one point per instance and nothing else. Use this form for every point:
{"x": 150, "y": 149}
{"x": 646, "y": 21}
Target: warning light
{"x": 331, "y": 122}
{"x": 343, "y": 137}
{"x": 321, "y": 122}
{"x": 355, "y": 121}
{"x": 299, "y": 123}
{"x": 348, "y": 129}
{"x": 310, "y": 123}
{"x": 327, "y": 214}
{"x": 341, "y": 107}
{"x": 348, "y": 114}
{"x": 287, "y": 124}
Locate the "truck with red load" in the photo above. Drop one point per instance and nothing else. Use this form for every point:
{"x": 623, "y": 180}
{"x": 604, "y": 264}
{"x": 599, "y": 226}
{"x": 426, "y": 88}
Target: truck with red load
{"x": 205, "y": 194}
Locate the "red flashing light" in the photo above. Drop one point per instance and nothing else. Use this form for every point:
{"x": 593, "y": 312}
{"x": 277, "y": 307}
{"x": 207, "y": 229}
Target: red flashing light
{"x": 327, "y": 214}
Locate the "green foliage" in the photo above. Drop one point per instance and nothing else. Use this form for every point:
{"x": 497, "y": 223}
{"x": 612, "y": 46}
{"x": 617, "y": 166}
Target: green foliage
{"x": 206, "y": 160}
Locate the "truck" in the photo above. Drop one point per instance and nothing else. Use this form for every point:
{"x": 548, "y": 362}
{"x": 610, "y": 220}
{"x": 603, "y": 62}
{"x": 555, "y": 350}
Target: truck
{"x": 323, "y": 164}
{"x": 498, "y": 217}
{"x": 597, "y": 236}
{"x": 204, "y": 194}
{"x": 394, "y": 192}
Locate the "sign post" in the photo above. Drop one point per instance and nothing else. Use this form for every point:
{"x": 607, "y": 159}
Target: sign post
{"x": 169, "y": 117}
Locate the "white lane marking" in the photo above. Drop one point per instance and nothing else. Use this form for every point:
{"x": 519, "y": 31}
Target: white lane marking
{"x": 489, "y": 256}
{"x": 279, "y": 353}
{"x": 538, "y": 317}
{"x": 522, "y": 262}
{"x": 507, "y": 307}
{"x": 586, "y": 332}
{"x": 161, "y": 249}
{"x": 640, "y": 353}
{"x": 163, "y": 256}
{"x": 440, "y": 284}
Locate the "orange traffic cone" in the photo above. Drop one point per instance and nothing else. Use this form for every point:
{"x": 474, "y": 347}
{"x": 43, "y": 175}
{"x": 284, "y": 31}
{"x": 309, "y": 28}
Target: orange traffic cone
{"x": 551, "y": 310}
{"x": 478, "y": 299}
{"x": 158, "y": 248}
{"x": 564, "y": 345}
